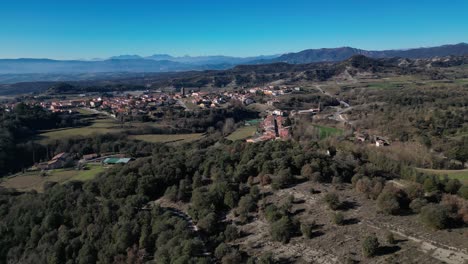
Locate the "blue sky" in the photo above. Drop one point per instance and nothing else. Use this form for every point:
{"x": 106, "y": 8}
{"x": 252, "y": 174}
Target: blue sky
{"x": 70, "y": 29}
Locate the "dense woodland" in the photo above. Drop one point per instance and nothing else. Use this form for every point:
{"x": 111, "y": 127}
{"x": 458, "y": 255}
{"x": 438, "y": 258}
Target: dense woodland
{"x": 17, "y": 127}
{"x": 434, "y": 116}
{"x": 109, "y": 219}
{"x": 114, "y": 218}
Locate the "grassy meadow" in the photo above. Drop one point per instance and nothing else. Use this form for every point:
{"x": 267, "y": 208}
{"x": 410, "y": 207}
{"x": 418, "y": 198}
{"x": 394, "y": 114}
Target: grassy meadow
{"x": 242, "y": 133}
{"x": 33, "y": 180}
{"x": 168, "y": 138}
{"x": 461, "y": 175}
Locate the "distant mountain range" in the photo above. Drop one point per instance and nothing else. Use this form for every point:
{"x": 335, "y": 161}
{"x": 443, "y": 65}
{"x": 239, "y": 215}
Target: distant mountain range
{"x": 340, "y": 54}
{"x": 47, "y": 69}
{"x": 197, "y": 60}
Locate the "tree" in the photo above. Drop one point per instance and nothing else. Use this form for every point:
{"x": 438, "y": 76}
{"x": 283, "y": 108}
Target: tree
{"x": 307, "y": 230}
{"x": 282, "y": 180}
{"x": 307, "y": 171}
{"x": 390, "y": 237}
{"x": 231, "y": 233}
{"x": 417, "y": 204}
{"x": 435, "y": 216}
{"x": 388, "y": 203}
{"x": 332, "y": 200}
{"x": 370, "y": 246}
{"x": 463, "y": 192}
{"x": 228, "y": 126}
{"x": 282, "y": 230}
{"x": 452, "y": 186}
{"x": 431, "y": 184}
{"x": 337, "y": 218}
{"x": 221, "y": 250}
{"x": 266, "y": 258}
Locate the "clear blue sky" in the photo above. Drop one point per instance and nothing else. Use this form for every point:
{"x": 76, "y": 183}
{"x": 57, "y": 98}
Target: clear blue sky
{"x": 70, "y": 29}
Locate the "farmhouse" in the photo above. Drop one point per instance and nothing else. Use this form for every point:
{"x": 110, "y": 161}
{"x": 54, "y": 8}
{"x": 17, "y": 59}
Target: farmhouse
{"x": 58, "y": 161}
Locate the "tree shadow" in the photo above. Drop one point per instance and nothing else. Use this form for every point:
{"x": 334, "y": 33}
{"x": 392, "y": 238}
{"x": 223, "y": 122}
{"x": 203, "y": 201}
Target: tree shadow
{"x": 317, "y": 234}
{"x": 314, "y": 191}
{"x": 283, "y": 260}
{"x": 386, "y": 250}
{"x": 351, "y": 221}
{"x": 348, "y": 205}
{"x": 298, "y": 211}
{"x": 298, "y": 201}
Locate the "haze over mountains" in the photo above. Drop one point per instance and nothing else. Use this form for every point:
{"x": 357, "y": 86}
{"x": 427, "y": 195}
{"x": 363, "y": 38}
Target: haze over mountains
{"x": 16, "y": 70}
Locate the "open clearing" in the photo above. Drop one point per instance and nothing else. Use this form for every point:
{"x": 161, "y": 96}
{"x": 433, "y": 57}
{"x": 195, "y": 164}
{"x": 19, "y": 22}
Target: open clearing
{"x": 242, "y": 133}
{"x": 168, "y": 138}
{"x": 325, "y": 131}
{"x": 98, "y": 126}
{"x": 34, "y": 181}
{"x": 461, "y": 175}
{"x": 331, "y": 243}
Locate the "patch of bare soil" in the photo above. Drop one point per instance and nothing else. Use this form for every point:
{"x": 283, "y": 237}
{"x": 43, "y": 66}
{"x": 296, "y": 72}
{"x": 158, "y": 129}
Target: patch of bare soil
{"x": 341, "y": 244}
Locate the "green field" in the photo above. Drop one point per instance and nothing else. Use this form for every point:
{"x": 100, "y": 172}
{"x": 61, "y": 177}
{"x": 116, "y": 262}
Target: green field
{"x": 168, "y": 138}
{"x": 35, "y": 181}
{"x": 99, "y": 126}
{"x": 461, "y": 175}
{"x": 242, "y": 133}
{"x": 325, "y": 131}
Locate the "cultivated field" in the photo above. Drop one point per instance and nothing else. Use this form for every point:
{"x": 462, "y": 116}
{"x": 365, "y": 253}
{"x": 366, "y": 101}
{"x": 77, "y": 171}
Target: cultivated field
{"x": 242, "y": 133}
{"x": 35, "y": 181}
{"x": 168, "y": 138}
{"x": 98, "y": 126}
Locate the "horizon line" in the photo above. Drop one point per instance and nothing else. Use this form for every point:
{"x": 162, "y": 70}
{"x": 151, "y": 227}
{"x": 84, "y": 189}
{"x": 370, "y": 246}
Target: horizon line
{"x": 221, "y": 55}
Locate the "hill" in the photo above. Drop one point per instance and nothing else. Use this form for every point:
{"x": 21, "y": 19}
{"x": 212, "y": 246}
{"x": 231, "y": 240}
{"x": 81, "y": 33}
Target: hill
{"x": 51, "y": 70}
{"x": 343, "y": 53}
{"x": 249, "y": 75}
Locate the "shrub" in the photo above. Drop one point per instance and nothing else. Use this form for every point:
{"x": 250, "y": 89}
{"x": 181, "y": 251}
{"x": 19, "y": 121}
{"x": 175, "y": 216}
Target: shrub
{"x": 332, "y": 200}
{"x": 232, "y": 257}
{"x": 370, "y": 246}
{"x": 417, "y": 204}
{"x": 452, "y": 186}
{"x": 282, "y": 230}
{"x": 282, "y": 180}
{"x": 231, "y": 233}
{"x": 388, "y": 203}
{"x": 390, "y": 238}
{"x": 355, "y": 179}
{"x": 265, "y": 179}
{"x": 337, "y": 218}
{"x": 414, "y": 191}
{"x": 221, "y": 250}
{"x": 306, "y": 230}
{"x": 434, "y": 216}
{"x": 266, "y": 258}
{"x": 307, "y": 171}
{"x": 272, "y": 213}
{"x": 431, "y": 184}
{"x": 457, "y": 207}
{"x": 171, "y": 193}
{"x": 246, "y": 204}
{"x": 463, "y": 192}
